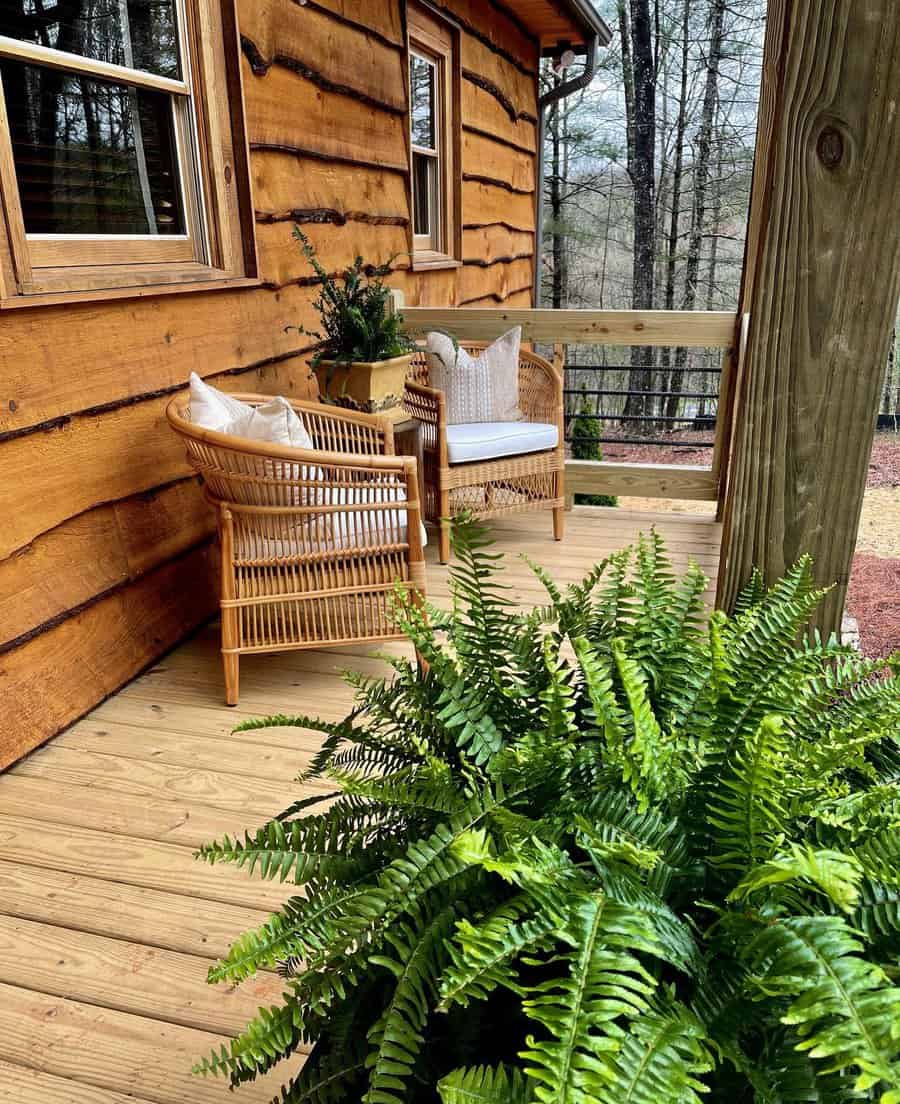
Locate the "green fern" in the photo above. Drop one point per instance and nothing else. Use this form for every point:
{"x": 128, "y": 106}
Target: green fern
{"x": 609, "y": 850}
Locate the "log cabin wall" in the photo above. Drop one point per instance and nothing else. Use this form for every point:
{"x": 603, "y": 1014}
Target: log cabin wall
{"x": 106, "y": 550}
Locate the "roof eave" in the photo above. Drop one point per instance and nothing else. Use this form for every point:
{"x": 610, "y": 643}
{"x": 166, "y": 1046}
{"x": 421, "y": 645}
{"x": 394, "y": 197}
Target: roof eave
{"x": 587, "y": 17}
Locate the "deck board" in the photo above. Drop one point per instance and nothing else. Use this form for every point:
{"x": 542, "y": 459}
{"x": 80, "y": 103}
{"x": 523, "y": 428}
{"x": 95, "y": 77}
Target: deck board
{"x": 108, "y": 923}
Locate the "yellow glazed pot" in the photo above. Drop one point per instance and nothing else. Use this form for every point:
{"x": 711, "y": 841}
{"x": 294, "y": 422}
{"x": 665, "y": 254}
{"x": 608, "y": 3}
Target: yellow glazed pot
{"x": 374, "y": 387}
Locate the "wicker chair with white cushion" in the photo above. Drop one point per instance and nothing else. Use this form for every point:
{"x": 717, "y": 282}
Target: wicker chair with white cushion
{"x": 314, "y": 540}
{"x": 491, "y": 468}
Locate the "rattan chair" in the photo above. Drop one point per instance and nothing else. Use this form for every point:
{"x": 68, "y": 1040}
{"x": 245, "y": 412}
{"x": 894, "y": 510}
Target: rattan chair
{"x": 490, "y": 488}
{"x": 313, "y": 541}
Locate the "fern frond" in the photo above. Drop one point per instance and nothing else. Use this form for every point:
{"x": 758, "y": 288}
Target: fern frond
{"x": 316, "y": 847}
{"x": 396, "y": 1037}
{"x": 878, "y": 911}
{"x": 328, "y": 1077}
{"x": 833, "y": 873}
{"x": 482, "y": 955}
{"x": 650, "y": 766}
{"x": 746, "y": 807}
{"x": 660, "y": 1058}
{"x": 604, "y": 982}
{"x": 485, "y": 1085}
{"x": 843, "y": 1008}
{"x": 879, "y": 856}
{"x": 274, "y": 1034}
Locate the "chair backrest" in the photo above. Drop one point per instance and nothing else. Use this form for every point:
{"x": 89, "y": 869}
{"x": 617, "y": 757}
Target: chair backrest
{"x": 235, "y": 469}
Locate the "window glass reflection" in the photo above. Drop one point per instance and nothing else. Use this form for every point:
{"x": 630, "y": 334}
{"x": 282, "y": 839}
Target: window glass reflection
{"x": 422, "y": 99}
{"x": 91, "y": 157}
{"x": 140, "y": 34}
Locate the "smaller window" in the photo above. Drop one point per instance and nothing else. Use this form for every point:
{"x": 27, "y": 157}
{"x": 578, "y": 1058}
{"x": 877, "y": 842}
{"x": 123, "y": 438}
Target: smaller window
{"x": 434, "y": 136}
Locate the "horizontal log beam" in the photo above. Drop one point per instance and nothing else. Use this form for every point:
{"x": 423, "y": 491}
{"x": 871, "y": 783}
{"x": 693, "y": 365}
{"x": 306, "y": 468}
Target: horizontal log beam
{"x": 698, "y": 329}
{"x": 641, "y": 480}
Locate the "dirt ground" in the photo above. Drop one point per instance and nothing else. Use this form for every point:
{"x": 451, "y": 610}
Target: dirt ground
{"x": 874, "y": 594}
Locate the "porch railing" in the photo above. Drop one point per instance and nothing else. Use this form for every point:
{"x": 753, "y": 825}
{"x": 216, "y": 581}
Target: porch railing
{"x": 655, "y": 329}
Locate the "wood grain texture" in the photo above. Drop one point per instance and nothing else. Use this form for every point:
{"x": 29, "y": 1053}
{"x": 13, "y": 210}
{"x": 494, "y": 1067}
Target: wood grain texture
{"x": 284, "y": 184}
{"x": 56, "y": 677}
{"x": 82, "y": 803}
{"x": 703, "y": 329}
{"x": 483, "y": 112}
{"x": 115, "y": 1051}
{"x": 169, "y": 867}
{"x": 104, "y": 548}
{"x": 281, "y": 259}
{"x": 641, "y": 480}
{"x": 151, "y": 917}
{"x": 824, "y": 296}
{"x": 287, "y": 109}
{"x": 21, "y": 1085}
{"x": 164, "y": 985}
{"x": 492, "y": 244}
{"x": 488, "y": 160}
{"x": 276, "y": 34}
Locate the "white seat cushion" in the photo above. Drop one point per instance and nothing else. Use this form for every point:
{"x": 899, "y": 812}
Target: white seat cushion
{"x": 491, "y": 440}
{"x": 330, "y": 532}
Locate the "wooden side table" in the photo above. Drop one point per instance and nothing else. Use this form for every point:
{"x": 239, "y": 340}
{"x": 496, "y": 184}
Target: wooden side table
{"x": 409, "y": 441}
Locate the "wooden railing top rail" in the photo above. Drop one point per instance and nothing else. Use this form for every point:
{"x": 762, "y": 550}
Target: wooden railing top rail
{"x": 698, "y": 329}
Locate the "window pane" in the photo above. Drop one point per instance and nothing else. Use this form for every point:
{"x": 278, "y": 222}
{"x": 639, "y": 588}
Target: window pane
{"x": 91, "y": 157}
{"x": 141, "y": 34}
{"x": 426, "y": 199}
{"x": 422, "y": 97}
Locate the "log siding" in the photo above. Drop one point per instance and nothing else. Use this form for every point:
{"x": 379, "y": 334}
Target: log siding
{"x": 105, "y": 553}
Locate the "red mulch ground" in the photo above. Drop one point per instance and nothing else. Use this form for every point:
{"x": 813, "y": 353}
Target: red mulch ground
{"x": 873, "y": 598}
{"x": 884, "y": 465}
{"x": 663, "y": 454}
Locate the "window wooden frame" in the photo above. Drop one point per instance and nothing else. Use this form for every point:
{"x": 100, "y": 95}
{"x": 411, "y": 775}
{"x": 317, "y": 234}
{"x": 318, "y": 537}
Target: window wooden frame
{"x": 437, "y": 41}
{"x": 218, "y": 246}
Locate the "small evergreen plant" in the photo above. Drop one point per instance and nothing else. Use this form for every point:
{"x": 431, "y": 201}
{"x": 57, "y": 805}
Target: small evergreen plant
{"x": 586, "y": 446}
{"x": 358, "y": 323}
{"x": 611, "y": 851}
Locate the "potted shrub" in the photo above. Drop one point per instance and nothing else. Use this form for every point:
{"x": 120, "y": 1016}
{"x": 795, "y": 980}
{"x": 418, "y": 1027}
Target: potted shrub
{"x": 364, "y": 356}
{"x": 612, "y": 851}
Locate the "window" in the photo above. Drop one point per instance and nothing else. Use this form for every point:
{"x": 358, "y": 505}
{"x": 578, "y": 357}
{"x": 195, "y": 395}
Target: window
{"x": 120, "y": 162}
{"x": 434, "y": 139}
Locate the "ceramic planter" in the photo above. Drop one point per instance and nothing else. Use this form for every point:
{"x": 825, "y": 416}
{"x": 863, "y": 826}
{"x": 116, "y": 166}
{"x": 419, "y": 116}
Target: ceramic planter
{"x": 371, "y": 387}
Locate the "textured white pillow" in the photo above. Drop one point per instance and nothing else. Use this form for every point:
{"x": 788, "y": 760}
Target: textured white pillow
{"x": 275, "y": 422}
{"x": 211, "y": 408}
{"x": 484, "y": 388}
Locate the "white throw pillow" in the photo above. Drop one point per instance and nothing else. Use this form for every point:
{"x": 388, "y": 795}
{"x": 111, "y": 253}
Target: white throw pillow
{"x": 484, "y": 388}
{"x": 211, "y": 408}
{"x": 275, "y": 422}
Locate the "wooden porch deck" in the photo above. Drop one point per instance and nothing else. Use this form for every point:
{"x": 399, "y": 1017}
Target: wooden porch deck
{"x": 108, "y": 925}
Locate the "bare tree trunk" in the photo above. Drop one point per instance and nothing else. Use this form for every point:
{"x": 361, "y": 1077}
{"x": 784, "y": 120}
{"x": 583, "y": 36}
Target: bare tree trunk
{"x": 701, "y": 181}
{"x": 627, "y": 81}
{"x": 677, "y": 178}
{"x": 559, "y": 284}
{"x": 640, "y": 378}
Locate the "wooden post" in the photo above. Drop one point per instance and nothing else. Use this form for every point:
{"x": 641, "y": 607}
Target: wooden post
{"x": 821, "y": 289}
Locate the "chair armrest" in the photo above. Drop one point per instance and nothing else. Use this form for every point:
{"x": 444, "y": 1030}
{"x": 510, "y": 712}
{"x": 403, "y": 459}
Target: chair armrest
{"x": 540, "y": 390}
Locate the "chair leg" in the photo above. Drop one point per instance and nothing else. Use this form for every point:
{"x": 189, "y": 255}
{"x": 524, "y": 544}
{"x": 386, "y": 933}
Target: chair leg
{"x": 559, "y": 522}
{"x": 231, "y": 664}
{"x": 444, "y": 522}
